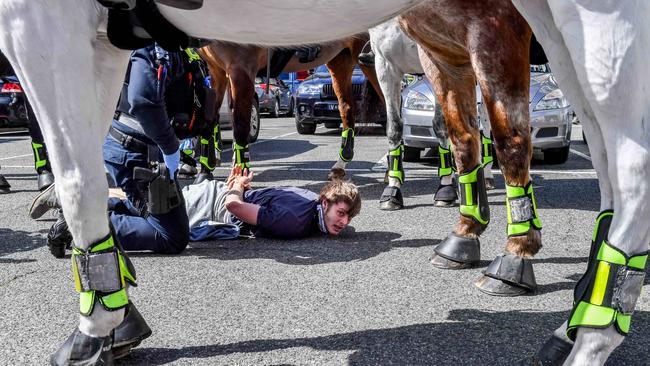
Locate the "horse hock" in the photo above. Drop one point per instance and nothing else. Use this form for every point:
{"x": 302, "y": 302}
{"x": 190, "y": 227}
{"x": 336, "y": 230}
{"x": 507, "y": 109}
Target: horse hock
{"x": 463, "y": 251}
{"x": 511, "y": 273}
{"x": 391, "y": 198}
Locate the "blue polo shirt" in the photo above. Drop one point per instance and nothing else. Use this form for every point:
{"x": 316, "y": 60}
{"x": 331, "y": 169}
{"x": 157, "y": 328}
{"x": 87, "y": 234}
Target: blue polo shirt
{"x": 285, "y": 212}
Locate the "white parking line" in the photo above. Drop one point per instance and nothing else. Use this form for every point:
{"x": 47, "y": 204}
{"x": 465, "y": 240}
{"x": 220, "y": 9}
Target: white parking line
{"x": 584, "y": 156}
{"x": 15, "y": 157}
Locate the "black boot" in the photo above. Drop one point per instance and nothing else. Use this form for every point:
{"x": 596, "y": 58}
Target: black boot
{"x": 45, "y": 179}
{"x": 367, "y": 59}
{"x": 128, "y": 335}
{"x": 59, "y": 238}
{"x": 82, "y": 349}
{"x": 5, "y": 187}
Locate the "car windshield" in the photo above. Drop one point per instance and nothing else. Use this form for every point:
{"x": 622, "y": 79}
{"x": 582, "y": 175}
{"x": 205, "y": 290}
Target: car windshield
{"x": 541, "y": 69}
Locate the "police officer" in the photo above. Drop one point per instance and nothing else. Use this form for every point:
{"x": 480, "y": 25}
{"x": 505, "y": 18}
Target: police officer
{"x": 141, "y": 133}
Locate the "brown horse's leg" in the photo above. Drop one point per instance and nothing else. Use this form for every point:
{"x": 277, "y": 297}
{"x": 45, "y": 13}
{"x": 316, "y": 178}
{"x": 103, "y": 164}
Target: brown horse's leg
{"x": 242, "y": 92}
{"x": 453, "y": 82}
{"x": 341, "y": 68}
{"x": 504, "y": 82}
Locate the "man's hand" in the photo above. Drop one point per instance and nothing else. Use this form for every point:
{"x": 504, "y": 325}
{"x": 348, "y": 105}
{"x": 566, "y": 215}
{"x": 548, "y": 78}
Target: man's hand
{"x": 239, "y": 179}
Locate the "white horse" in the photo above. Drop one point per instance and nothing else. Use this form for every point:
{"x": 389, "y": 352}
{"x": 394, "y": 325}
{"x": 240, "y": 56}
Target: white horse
{"x": 598, "y": 51}
{"x": 396, "y": 54}
{"x": 597, "y": 48}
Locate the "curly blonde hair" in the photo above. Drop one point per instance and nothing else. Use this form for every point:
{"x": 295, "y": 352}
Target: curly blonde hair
{"x": 338, "y": 190}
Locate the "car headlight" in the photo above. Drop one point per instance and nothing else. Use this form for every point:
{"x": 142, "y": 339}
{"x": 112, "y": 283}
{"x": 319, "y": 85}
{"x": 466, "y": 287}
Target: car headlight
{"x": 311, "y": 89}
{"x": 552, "y": 100}
{"x": 418, "y": 101}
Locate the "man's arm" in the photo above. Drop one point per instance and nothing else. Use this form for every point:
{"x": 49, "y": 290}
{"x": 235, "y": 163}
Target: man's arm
{"x": 238, "y": 183}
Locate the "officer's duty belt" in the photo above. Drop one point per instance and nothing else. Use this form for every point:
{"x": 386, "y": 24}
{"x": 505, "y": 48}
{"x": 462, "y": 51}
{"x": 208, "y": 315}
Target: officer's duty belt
{"x": 129, "y": 142}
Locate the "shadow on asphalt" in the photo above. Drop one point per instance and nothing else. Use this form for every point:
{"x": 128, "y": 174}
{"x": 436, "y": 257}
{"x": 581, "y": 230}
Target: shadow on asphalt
{"x": 16, "y": 241}
{"x": 351, "y": 245}
{"x": 468, "y": 337}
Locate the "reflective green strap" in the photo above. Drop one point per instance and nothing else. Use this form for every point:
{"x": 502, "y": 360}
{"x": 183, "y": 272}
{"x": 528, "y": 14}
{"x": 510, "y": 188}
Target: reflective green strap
{"x": 241, "y": 155}
{"x": 204, "y": 159}
{"x": 192, "y": 54}
{"x": 346, "y": 152}
{"x": 395, "y": 167}
{"x": 39, "y": 162}
{"x": 111, "y": 301}
{"x": 486, "y": 150}
{"x": 595, "y": 308}
{"x": 469, "y": 195}
{"x": 521, "y": 228}
{"x": 216, "y": 133}
{"x": 445, "y": 162}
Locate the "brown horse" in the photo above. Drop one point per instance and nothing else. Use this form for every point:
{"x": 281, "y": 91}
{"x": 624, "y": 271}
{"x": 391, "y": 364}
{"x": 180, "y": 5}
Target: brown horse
{"x": 236, "y": 65}
{"x": 462, "y": 41}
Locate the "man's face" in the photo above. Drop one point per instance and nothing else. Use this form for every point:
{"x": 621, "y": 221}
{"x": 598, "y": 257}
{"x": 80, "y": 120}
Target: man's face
{"x": 337, "y": 216}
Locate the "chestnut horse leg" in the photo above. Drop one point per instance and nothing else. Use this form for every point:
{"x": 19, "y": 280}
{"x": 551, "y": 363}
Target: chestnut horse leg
{"x": 341, "y": 68}
{"x": 242, "y": 91}
{"x": 505, "y": 94}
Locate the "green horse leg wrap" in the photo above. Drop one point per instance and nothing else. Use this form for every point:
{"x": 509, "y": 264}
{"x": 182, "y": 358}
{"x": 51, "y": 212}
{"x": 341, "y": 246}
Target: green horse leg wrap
{"x": 607, "y": 293}
{"x": 208, "y": 143}
{"x": 473, "y": 195}
{"x": 521, "y": 210}
{"x": 100, "y": 274}
{"x": 241, "y": 155}
{"x": 395, "y": 168}
{"x": 346, "y": 153}
{"x": 40, "y": 156}
{"x": 486, "y": 150}
{"x": 445, "y": 167}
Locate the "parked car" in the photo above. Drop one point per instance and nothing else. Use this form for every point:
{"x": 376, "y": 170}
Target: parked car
{"x": 315, "y": 102}
{"x": 225, "y": 115}
{"x": 550, "y": 116}
{"x": 13, "y": 110}
{"x": 277, "y": 101}
{"x": 293, "y": 79}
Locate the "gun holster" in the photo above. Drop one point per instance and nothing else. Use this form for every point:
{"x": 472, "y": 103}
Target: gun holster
{"x": 163, "y": 193}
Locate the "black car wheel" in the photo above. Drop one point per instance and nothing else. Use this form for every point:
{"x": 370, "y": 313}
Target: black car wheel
{"x": 275, "y": 112}
{"x": 556, "y": 156}
{"x": 304, "y": 128}
{"x": 255, "y": 123}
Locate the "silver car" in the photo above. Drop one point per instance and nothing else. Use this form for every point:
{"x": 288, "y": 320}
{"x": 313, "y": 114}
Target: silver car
{"x": 551, "y": 116}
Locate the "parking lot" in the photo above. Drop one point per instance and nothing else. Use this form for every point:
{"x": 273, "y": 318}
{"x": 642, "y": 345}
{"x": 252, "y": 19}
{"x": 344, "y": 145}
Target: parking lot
{"x": 368, "y": 297}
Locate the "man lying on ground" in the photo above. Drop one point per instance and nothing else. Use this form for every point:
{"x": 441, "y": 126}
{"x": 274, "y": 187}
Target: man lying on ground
{"x": 224, "y": 210}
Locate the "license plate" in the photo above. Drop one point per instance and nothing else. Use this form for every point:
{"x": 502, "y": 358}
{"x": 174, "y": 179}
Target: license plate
{"x": 333, "y": 107}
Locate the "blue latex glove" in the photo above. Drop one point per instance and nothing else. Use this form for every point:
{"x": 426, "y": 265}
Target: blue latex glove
{"x": 172, "y": 162}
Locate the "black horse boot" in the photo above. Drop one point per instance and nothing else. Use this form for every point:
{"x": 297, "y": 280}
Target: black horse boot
{"x": 130, "y": 333}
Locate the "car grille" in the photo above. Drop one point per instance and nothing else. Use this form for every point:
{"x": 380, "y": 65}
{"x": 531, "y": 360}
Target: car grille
{"x": 328, "y": 91}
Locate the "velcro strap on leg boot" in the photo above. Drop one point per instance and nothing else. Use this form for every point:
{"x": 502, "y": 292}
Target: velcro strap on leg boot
{"x": 40, "y": 156}
{"x": 346, "y": 153}
{"x": 101, "y": 273}
{"x": 486, "y": 150}
{"x": 521, "y": 209}
{"x": 395, "y": 168}
{"x": 207, "y": 156}
{"x": 608, "y": 291}
{"x": 512, "y": 269}
{"x": 241, "y": 156}
{"x": 473, "y": 195}
{"x": 445, "y": 167}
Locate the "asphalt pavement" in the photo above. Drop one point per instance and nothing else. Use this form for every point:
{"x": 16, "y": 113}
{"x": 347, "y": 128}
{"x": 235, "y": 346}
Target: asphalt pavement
{"x": 368, "y": 297}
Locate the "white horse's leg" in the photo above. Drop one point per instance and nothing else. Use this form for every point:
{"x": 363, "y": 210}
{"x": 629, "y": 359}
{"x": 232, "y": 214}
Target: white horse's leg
{"x": 594, "y": 83}
{"x": 389, "y": 76}
{"x": 62, "y": 48}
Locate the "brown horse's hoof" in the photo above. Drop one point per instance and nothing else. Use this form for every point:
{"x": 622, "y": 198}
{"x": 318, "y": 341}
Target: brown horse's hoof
{"x": 336, "y": 173}
{"x": 444, "y": 263}
{"x": 489, "y": 184}
{"x": 444, "y": 203}
{"x": 494, "y": 287}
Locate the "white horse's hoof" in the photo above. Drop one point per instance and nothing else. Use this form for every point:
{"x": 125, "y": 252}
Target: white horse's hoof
{"x": 82, "y": 349}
